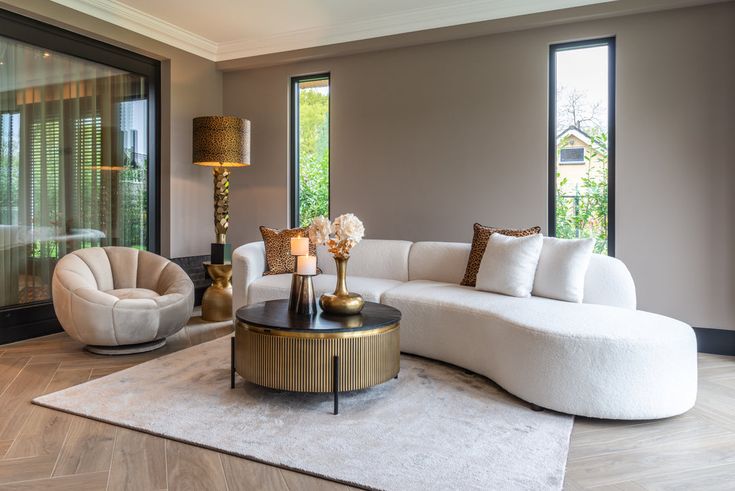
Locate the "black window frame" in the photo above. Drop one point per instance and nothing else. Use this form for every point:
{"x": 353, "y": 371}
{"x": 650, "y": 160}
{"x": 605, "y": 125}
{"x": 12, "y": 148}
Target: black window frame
{"x": 611, "y": 64}
{"x": 23, "y": 321}
{"x": 294, "y": 218}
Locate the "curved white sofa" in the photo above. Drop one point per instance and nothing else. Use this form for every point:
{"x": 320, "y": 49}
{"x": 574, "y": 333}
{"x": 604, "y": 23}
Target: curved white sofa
{"x": 119, "y": 300}
{"x": 601, "y": 358}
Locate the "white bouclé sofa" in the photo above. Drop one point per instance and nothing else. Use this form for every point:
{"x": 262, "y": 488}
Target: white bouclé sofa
{"x": 601, "y": 358}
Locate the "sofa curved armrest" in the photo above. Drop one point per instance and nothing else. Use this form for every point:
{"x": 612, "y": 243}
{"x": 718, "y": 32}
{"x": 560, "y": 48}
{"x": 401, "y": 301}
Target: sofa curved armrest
{"x": 609, "y": 282}
{"x": 248, "y": 264}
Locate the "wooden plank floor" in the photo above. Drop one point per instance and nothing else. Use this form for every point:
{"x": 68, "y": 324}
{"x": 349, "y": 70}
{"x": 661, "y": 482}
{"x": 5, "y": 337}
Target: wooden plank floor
{"x": 45, "y": 449}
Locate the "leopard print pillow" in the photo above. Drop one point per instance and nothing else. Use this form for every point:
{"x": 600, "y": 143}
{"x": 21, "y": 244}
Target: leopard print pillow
{"x": 479, "y": 244}
{"x": 278, "y": 256}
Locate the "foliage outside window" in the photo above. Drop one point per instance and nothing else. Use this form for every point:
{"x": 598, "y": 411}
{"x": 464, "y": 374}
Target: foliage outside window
{"x": 311, "y": 155}
{"x": 581, "y": 210}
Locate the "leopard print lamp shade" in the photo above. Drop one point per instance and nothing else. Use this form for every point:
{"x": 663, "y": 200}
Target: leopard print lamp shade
{"x": 221, "y": 141}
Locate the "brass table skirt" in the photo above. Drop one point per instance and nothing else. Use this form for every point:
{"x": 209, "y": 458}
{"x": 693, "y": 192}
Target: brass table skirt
{"x": 311, "y": 361}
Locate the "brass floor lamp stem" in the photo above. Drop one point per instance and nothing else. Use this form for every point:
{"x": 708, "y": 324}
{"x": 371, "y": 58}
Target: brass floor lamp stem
{"x": 221, "y": 203}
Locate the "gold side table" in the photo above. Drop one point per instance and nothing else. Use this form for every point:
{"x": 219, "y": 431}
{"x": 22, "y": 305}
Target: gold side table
{"x": 217, "y": 300}
{"x": 276, "y": 348}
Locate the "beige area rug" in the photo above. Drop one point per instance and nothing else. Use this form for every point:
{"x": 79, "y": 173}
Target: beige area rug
{"x": 435, "y": 427}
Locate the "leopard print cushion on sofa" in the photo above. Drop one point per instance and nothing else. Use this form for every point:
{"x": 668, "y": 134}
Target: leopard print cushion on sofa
{"x": 479, "y": 244}
{"x": 278, "y": 256}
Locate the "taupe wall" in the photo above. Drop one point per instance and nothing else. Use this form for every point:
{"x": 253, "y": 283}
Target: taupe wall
{"x": 426, "y": 140}
{"x": 191, "y": 87}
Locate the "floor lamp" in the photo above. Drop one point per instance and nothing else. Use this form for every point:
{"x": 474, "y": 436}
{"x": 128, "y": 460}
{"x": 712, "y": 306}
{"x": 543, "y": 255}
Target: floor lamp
{"x": 220, "y": 142}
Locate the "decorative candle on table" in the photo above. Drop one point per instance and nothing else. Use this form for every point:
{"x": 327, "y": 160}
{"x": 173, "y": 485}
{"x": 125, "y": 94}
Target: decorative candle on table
{"x": 299, "y": 249}
{"x": 299, "y": 246}
{"x": 306, "y": 265}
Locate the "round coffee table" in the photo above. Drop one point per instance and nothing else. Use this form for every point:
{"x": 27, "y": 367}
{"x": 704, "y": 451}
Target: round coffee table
{"x": 276, "y": 348}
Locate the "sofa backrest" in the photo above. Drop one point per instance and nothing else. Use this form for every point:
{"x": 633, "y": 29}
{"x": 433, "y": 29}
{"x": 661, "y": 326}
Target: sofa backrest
{"x": 438, "y": 261}
{"x": 608, "y": 281}
{"x": 372, "y": 258}
{"x": 107, "y": 268}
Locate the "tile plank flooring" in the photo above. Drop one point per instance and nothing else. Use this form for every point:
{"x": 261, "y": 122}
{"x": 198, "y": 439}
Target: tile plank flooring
{"x": 45, "y": 449}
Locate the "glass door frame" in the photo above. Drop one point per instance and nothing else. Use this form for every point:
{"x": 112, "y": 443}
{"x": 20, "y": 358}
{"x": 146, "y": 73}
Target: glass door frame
{"x": 23, "y": 321}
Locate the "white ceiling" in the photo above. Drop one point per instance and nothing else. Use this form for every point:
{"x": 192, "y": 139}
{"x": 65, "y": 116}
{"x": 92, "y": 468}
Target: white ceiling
{"x": 229, "y": 29}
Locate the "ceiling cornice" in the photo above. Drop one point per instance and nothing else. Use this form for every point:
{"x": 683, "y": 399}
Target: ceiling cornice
{"x": 135, "y": 20}
{"x": 451, "y": 14}
{"x": 455, "y": 12}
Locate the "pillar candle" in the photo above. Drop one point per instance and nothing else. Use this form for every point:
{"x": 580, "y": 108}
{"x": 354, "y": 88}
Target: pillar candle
{"x": 306, "y": 265}
{"x": 299, "y": 246}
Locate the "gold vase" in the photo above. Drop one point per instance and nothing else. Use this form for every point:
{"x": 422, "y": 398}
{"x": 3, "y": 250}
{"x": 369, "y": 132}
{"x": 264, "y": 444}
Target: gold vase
{"x": 341, "y": 302}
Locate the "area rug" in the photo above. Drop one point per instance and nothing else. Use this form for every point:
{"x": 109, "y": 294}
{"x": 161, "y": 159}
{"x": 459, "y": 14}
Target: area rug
{"x": 435, "y": 427}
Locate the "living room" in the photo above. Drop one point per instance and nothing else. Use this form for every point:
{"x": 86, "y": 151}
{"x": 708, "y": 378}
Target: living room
{"x": 453, "y": 244}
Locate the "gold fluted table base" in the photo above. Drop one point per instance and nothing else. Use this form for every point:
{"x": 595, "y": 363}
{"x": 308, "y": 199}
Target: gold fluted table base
{"x": 277, "y": 348}
{"x": 304, "y": 362}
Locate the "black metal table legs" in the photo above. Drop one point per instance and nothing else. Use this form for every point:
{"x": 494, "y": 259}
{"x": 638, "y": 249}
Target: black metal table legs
{"x": 335, "y": 383}
{"x": 232, "y": 362}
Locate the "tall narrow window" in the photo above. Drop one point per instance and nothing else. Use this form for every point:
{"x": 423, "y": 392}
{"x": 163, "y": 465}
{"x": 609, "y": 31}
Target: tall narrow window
{"x": 309, "y": 148}
{"x": 582, "y": 141}
{"x": 77, "y": 156}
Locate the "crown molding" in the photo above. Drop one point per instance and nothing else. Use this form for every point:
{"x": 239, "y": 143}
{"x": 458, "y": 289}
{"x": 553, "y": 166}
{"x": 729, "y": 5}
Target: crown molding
{"x": 116, "y": 12}
{"x": 451, "y": 14}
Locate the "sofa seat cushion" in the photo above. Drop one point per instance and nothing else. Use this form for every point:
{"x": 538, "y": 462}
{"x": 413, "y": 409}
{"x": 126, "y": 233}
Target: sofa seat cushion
{"x": 132, "y": 293}
{"x": 274, "y": 287}
{"x": 601, "y": 361}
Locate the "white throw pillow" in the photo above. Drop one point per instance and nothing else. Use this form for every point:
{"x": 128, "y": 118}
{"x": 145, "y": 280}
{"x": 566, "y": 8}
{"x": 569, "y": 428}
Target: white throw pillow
{"x": 562, "y": 267}
{"x": 509, "y": 264}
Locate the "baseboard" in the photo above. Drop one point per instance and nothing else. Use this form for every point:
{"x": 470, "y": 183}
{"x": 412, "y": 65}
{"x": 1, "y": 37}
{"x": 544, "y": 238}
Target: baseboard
{"x": 29, "y": 330}
{"x": 715, "y": 341}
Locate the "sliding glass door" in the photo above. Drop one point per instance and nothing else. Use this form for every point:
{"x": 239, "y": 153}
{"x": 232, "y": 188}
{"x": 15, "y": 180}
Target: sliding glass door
{"x": 76, "y": 163}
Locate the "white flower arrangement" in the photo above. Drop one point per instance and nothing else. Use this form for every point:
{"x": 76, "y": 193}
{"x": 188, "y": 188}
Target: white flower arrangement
{"x": 340, "y": 236}
{"x": 320, "y": 230}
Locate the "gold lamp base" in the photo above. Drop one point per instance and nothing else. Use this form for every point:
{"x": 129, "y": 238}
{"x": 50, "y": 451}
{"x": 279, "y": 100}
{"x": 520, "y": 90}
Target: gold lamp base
{"x": 217, "y": 300}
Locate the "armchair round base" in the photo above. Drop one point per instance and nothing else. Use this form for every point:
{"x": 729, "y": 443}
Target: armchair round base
{"x": 127, "y": 349}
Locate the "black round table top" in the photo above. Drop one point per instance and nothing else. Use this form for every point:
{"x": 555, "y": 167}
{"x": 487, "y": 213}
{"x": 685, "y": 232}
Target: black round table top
{"x": 274, "y": 314}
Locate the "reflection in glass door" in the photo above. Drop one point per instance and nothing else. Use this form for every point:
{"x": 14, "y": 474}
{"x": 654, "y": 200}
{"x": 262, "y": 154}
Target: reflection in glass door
{"x": 74, "y": 163}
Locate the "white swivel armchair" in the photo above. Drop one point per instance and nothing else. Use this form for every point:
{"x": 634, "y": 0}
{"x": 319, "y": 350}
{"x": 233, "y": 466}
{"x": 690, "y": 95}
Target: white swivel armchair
{"x": 119, "y": 300}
